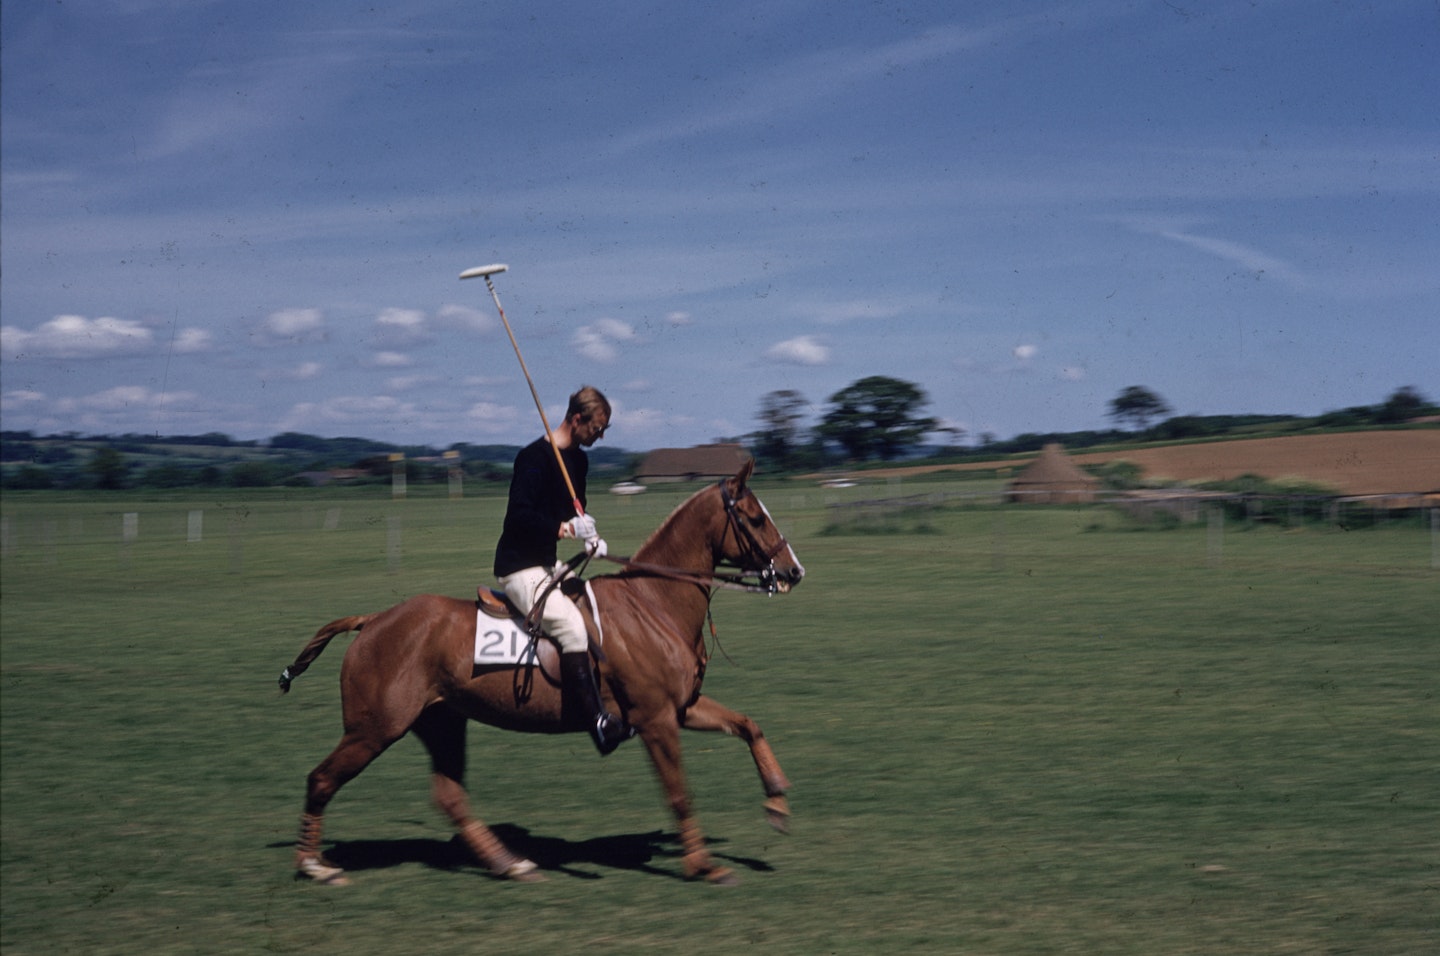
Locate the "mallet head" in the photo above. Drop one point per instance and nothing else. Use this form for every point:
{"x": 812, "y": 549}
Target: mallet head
{"x": 479, "y": 271}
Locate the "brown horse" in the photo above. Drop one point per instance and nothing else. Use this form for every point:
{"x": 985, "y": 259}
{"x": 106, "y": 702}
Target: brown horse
{"x": 412, "y": 669}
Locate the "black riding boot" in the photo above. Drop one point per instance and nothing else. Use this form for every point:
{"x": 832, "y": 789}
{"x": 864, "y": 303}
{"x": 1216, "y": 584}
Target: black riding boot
{"x": 578, "y": 686}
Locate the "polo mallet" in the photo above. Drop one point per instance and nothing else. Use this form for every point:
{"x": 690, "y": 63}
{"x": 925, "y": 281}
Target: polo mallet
{"x": 486, "y": 272}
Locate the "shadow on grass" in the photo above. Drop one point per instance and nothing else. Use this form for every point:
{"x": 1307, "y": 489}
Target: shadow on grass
{"x": 636, "y": 852}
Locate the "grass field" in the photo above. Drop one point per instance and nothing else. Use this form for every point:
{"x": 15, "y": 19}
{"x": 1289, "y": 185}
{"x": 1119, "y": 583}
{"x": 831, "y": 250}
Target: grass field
{"x": 1011, "y": 731}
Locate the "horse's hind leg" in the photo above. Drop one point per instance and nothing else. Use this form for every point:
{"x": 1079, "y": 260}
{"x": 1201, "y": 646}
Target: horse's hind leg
{"x": 353, "y": 754}
{"x": 708, "y": 714}
{"x": 442, "y": 730}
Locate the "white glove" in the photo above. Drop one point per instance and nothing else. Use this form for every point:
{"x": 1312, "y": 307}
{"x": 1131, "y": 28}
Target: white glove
{"x": 580, "y": 526}
{"x": 597, "y": 547}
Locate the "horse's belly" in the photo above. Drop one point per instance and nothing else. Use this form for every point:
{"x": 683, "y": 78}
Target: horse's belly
{"x": 512, "y": 698}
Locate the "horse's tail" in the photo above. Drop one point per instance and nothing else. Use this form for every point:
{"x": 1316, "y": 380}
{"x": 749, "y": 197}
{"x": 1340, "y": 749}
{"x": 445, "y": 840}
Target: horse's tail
{"x": 317, "y": 644}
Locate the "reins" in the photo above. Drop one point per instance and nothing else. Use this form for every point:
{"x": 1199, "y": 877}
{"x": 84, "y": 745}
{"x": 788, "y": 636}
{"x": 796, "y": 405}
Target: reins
{"x": 765, "y": 580}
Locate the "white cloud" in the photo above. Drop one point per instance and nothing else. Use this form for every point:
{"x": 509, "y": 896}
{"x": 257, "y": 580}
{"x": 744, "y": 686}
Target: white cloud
{"x": 390, "y": 360}
{"x": 293, "y": 326}
{"x": 491, "y": 419}
{"x": 124, "y": 398}
{"x": 466, "y": 318}
{"x": 403, "y": 383}
{"x": 402, "y": 326}
{"x": 679, "y": 318}
{"x": 304, "y": 371}
{"x": 1073, "y": 373}
{"x": 191, "y": 341}
{"x": 804, "y": 350}
{"x": 14, "y": 400}
{"x": 74, "y": 336}
{"x": 1025, "y": 353}
{"x": 597, "y": 342}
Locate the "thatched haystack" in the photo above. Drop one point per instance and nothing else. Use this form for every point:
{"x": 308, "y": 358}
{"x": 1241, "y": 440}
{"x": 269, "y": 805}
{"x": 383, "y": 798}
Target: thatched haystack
{"x": 1052, "y": 479}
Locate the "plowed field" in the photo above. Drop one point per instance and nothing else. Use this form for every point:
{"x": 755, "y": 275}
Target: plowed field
{"x": 1352, "y": 463}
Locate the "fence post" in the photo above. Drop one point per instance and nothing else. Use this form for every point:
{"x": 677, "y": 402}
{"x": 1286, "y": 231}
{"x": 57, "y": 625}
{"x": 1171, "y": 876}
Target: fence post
{"x": 1215, "y": 536}
{"x": 457, "y": 481}
{"x": 397, "y": 475}
{"x": 392, "y": 543}
{"x": 129, "y": 531}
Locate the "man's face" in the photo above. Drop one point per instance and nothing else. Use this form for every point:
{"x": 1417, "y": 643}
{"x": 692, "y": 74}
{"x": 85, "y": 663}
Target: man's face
{"x": 588, "y": 433}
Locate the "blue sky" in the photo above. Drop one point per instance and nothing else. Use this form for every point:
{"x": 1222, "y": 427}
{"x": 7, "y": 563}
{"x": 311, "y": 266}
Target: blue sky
{"x": 251, "y": 217}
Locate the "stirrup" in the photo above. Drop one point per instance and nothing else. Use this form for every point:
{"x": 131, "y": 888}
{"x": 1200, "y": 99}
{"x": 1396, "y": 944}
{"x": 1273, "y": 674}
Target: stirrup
{"x": 609, "y": 732}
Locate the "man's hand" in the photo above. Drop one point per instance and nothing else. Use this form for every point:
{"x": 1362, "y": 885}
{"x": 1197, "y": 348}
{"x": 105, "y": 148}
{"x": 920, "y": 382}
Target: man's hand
{"x": 580, "y": 526}
{"x": 597, "y": 547}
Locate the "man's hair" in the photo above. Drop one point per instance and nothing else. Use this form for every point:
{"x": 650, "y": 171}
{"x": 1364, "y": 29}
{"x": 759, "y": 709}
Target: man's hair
{"x": 588, "y": 403}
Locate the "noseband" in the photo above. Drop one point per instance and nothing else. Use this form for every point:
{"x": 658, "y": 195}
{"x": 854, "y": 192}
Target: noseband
{"x": 757, "y": 560}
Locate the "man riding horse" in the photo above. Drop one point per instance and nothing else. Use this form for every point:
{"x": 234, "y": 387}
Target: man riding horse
{"x": 544, "y": 508}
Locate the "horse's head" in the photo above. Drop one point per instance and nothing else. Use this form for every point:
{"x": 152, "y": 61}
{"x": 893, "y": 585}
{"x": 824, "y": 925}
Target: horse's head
{"x": 750, "y": 541}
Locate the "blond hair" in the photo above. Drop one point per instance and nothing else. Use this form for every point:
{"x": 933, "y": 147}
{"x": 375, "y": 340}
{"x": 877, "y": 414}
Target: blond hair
{"x": 589, "y": 403}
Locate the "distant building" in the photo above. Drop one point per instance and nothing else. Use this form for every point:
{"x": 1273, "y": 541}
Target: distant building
{"x": 703, "y": 463}
{"x": 1052, "y": 479}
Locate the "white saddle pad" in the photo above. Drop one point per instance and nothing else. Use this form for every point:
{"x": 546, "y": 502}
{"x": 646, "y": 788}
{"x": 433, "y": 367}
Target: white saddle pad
{"x": 503, "y": 641}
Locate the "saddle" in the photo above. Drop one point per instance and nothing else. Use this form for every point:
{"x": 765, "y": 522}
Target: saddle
{"x": 496, "y": 604}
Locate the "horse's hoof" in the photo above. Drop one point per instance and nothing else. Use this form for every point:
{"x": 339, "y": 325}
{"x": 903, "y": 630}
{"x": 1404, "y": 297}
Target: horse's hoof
{"x": 316, "y": 871}
{"x": 523, "y": 871}
{"x": 777, "y": 812}
{"x": 722, "y": 876}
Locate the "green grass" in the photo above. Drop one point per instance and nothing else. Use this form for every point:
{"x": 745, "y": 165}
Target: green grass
{"x": 1023, "y": 731}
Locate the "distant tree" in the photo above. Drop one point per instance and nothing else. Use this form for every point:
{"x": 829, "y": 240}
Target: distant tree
{"x": 167, "y": 475}
{"x": 30, "y": 478}
{"x": 877, "y": 417}
{"x": 1402, "y": 405}
{"x": 107, "y": 466}
{"x": 1137, "y": 405}
{"x": 780, "y": 413}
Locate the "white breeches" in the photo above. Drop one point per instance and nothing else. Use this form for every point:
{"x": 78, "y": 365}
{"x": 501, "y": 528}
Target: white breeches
{"x": 560, "y": 619}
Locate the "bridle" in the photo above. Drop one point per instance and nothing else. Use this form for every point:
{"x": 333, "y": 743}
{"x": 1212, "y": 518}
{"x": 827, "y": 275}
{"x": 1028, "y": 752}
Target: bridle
{"x": 761, "y": 561}
{"x": 755, "y": 571}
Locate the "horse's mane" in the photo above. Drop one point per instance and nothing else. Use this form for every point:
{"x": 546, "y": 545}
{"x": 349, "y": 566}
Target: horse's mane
{"x": 663, "y": 531}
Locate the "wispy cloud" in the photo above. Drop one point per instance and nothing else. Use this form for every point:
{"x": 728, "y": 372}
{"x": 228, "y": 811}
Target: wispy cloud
{"x": 1250, "y": 260}
{"x": 835, "y": 313}
{"x": 800, "y": 82}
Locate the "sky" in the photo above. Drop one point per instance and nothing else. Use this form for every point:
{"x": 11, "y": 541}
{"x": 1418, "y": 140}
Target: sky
{"x": 251, "y": 217}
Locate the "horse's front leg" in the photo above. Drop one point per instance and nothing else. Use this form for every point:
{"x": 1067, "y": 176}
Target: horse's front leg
{"x": 662, "y": 742}
{"x": 708, "y": 714}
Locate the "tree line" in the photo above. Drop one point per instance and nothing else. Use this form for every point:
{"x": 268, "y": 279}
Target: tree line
{"x": 881, "y": 418}
{"x": 876, "y": 418}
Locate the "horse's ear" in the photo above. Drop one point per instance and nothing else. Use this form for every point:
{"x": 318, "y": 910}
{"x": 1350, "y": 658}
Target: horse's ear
{"x": 737, "y": 483}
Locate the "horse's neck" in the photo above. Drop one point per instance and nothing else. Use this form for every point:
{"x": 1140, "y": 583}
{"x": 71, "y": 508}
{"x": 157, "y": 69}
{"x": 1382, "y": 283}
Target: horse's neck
{"x": 681, "y": 541}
